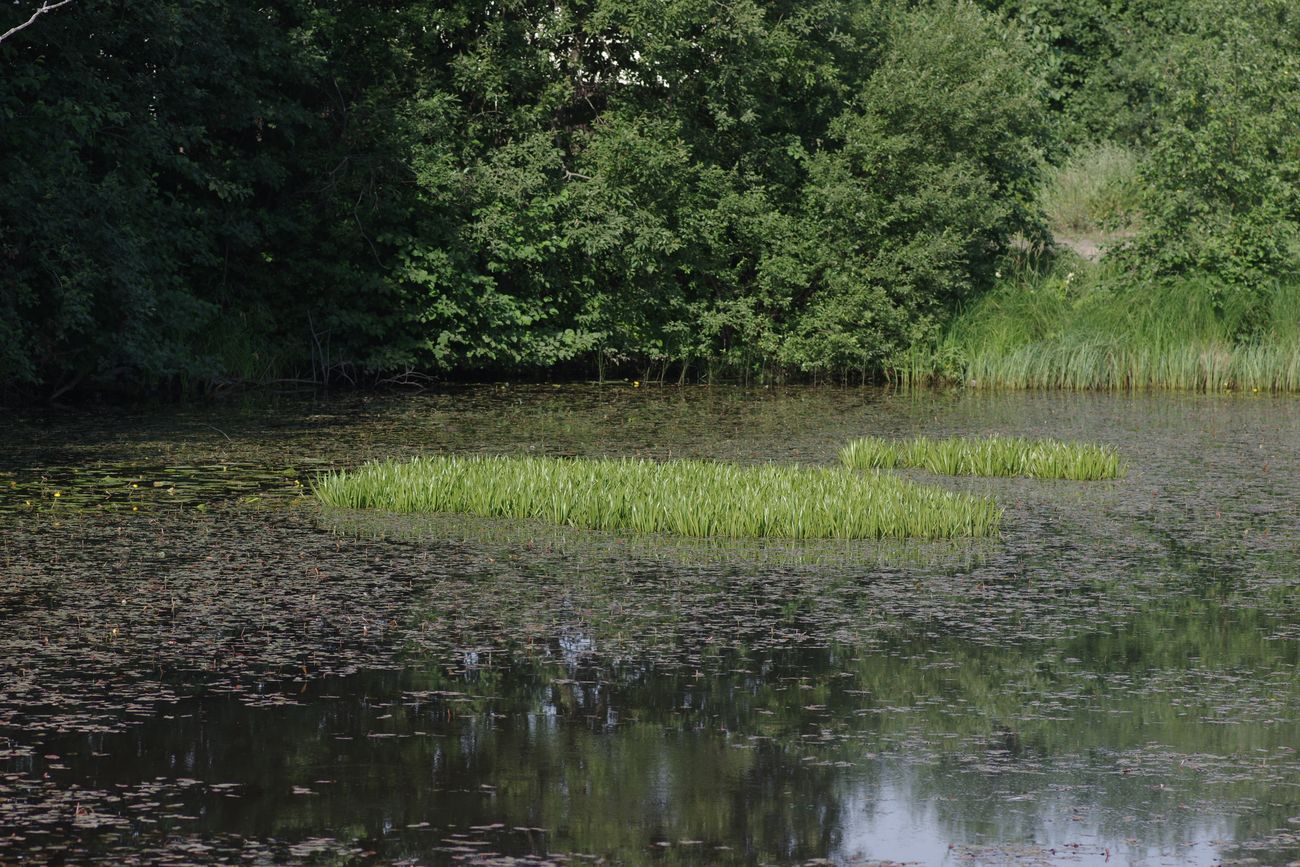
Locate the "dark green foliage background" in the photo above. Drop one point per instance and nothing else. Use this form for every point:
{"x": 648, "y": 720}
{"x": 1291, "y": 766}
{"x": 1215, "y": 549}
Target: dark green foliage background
{"x": 198, "y": 191}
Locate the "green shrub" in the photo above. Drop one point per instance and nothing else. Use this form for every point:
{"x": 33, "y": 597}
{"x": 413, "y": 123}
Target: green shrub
{"x": 1221, "y": 182}
{"x": 933, "y": 166}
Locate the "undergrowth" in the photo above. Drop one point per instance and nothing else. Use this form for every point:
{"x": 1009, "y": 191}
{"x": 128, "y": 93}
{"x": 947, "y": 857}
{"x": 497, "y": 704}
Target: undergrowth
{"x": 1092, "y": 192}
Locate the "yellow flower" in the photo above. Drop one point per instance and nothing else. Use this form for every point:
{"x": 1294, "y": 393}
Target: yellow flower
{"x": 636, "y": 383}
{"x": 58, "y": 493}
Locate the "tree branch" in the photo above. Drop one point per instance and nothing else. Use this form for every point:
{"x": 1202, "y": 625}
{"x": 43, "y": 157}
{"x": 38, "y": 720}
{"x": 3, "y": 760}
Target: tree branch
{"x": 44, "y": 7}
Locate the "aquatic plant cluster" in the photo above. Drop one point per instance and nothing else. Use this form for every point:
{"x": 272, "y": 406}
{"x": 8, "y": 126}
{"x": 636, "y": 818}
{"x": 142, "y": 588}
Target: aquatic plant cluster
{"x": 689, "y": 498}
{"x": 987, "y": 456}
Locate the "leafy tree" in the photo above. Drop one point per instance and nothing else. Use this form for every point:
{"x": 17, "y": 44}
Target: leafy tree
{"x": 1222, "y": 178}
{"x": 212, "y": 188}
{"x": 929, "y": 172}
{"x": 141, "y": 153}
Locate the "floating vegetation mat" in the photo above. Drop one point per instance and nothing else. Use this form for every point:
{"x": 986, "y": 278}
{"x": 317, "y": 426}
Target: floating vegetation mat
{"x": 687, "y": 498}
{"x": 105, "y": 486}
{"x": 987, "y": 456}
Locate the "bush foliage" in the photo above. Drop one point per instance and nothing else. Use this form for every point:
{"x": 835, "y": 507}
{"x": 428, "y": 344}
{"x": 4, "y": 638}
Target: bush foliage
{"x": 210, "y": 189}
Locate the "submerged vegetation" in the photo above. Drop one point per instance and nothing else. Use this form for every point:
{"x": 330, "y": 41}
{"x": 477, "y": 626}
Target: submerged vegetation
{"x": 688, "y": 498}
{"x": 988, "y": 456}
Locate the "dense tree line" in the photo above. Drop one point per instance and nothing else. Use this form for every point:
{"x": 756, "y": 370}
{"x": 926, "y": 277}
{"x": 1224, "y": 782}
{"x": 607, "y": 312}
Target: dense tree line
{"x": 203, "y": 190}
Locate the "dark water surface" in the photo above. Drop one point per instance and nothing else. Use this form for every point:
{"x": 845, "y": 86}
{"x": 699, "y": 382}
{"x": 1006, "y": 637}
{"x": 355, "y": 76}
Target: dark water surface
{"x": 198, "y": 665}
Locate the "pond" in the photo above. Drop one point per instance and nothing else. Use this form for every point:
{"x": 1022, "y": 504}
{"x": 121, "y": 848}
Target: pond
{"x": 198, "y": 664}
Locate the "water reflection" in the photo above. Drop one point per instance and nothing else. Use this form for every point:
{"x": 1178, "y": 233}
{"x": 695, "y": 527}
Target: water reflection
{"x": 1114, "y": 680}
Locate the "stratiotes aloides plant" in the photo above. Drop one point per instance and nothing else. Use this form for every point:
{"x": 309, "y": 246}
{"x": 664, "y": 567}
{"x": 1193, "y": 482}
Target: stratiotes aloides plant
{"x": 987, "y": 456}
{"x": 688, "y": 498}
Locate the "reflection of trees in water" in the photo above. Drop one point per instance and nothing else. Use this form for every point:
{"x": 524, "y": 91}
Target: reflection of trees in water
{"x": 611, "y": 757}
{"x": 535, "y": 748}
{"x": 1206, "y": 682}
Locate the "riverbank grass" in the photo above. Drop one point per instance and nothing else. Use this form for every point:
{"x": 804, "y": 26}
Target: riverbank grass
{"x": 988, "y": 456}
{"x": 1078, "y": 326}
{"x": 687, "y": 498}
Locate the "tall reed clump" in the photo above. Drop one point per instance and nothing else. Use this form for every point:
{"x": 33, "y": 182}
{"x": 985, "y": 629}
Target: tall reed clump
{"x": 1081, "y": 326}
{"x": 688, "y": 498}
{"x": 989, "y": 456}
